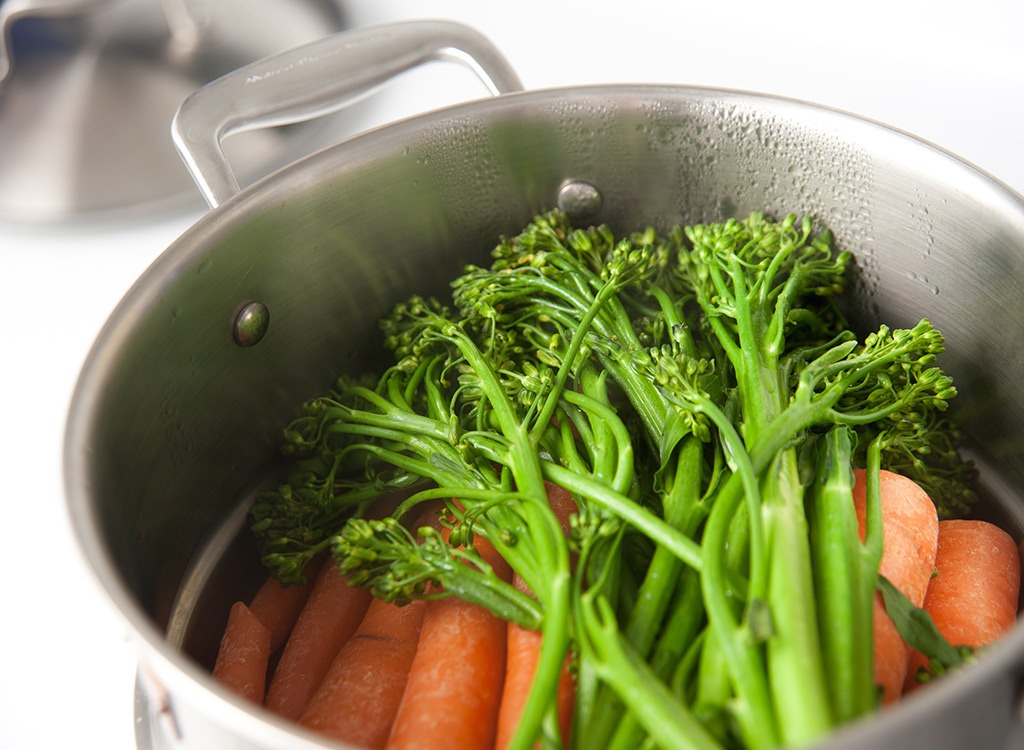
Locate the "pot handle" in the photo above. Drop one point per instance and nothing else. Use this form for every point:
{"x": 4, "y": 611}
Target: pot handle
{"x": 317, "y": 79}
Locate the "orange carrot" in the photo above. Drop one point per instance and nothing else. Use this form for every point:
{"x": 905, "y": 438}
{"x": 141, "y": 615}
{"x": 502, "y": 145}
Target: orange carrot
{"x": 331, "y": 615}
{"x": 973, "y": 596}
{"x": 278, "y": 606}
{"x": 244, "y": 654}
{"x": 562, "y": 504}
{"x": 523, "y": 652}
{"x": 358, "y": 698}
{"x": 910, "y": 529}
{"x": 451, "y": 698}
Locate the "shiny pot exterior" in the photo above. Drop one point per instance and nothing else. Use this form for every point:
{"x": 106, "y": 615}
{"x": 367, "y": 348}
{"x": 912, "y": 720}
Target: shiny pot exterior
{"x": 178, "y": 410}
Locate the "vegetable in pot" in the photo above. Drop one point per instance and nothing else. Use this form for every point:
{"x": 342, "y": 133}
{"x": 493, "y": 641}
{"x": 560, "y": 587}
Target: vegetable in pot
{"x": 701, "y": 398}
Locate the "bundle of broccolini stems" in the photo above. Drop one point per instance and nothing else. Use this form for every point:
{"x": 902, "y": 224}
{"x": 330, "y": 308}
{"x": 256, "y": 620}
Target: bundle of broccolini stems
{"x": 702, "y": 397}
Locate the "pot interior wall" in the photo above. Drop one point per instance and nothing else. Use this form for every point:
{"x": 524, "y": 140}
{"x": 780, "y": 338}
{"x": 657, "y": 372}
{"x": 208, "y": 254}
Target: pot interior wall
{"x": 176, "y": 422}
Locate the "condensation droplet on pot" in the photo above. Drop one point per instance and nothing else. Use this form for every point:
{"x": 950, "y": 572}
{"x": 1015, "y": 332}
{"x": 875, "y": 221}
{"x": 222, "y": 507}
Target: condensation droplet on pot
{"x": 251, "y": 324}
{"x": 579, "y": 200}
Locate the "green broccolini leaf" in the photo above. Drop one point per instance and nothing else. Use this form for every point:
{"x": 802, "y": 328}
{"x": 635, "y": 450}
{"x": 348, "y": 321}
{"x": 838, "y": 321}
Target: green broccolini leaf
{"x": 918, "y": 629}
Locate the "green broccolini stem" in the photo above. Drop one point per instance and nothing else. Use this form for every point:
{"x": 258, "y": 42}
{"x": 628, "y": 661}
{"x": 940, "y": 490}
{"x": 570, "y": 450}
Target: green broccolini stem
{"x": 713, "y": 691}
{"x": 795, "y": 667}
{"x": 617, "y": 467}
{"x": 552, "y": 588}
{"x": 747, "y": 303}
{"x": 753, "y": 705}
{"x": 685, "y": 548}
{"x": 669, "y": 723}
{"x": 676, "y": 631}
{"x": 845, "y": 573}
{"x": 680, "y": 633}
{"x": 873, "y": 503}
{"x": 682, "y": 511}
{"x": 569, "y": 358}
{"x": 646, "y": 620}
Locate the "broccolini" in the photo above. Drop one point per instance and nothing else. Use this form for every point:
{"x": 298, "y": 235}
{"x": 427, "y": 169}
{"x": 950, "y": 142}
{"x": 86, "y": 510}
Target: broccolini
{"x": 701, "y": 395}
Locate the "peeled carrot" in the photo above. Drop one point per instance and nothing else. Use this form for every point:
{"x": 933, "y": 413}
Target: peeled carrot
{"x": 451, "y": 698}
{"x": 244, "y": 654}
{"x": 562, "y": 504}
{"x": 332, "y": 613}
{"x": 523, "y": 652}
{"x": 278, "y": 606}
{"x": 910, "y": 529}
{"x": 328, "y": 617}
{"x": 359, "y": 696}
{"x": 974, "y": 594}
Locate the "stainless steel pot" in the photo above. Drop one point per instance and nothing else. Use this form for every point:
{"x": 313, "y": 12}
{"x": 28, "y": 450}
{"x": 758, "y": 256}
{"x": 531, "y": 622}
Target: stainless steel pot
{"x": 261, "y": 303}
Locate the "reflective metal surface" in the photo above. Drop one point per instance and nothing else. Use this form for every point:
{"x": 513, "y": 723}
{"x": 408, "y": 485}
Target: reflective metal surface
{"x": 318, "y": 79}
{"x": 88, "y": 90}
{"x": 168, "y": 432}
{"x": 165, "y": 434}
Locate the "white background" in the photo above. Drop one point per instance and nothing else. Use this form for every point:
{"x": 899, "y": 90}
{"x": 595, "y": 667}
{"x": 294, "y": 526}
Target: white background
{"x": 949, "y": 72}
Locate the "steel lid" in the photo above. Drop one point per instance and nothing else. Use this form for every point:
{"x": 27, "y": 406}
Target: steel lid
{"x": 91, "y": 88}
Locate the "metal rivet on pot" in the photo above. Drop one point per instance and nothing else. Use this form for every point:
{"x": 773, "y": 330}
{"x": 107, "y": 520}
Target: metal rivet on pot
{"x": 251, "y": 324}
{"x": 579, "y": 200}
